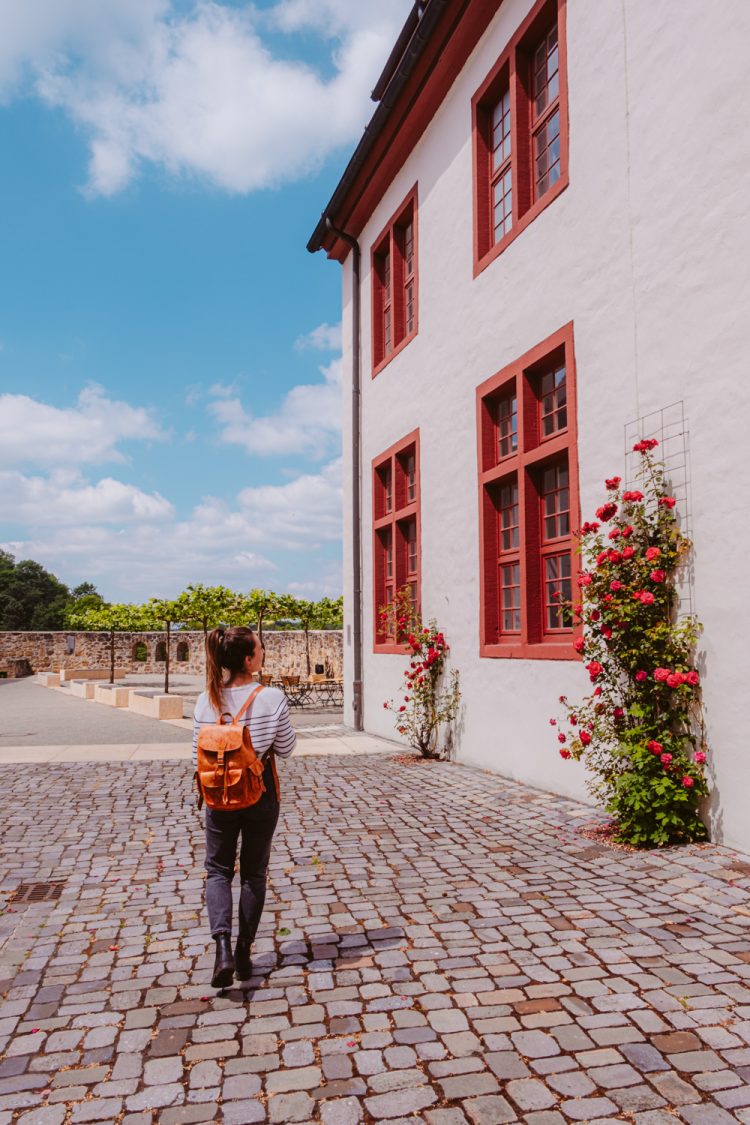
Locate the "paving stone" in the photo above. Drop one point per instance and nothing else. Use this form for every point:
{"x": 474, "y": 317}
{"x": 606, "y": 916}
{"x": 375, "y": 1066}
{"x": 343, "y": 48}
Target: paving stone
{"x": 99, "y": 1109}
{"x": 530, "y": 1093}
{"x": 162, "y": 1071}
{"x": 245, "y": 1113}
{"x": 492, "y": 1110}
{"x": 45, "y": 1115}
{"x": 343, "y": 1111}
{"x": 397, "y": 1103}
{"x": 588, "y": 1109}
{"x": 187, "y": 1114}
{"x": 285, "y": 1107}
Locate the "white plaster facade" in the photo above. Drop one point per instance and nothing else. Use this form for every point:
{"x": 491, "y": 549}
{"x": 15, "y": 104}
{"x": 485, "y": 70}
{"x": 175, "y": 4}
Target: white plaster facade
{"x": 647, "y": 252}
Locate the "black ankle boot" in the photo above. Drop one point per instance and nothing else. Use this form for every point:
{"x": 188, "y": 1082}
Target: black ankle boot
{"x": 243, "y": 966}
{"x": 224, "y": 963}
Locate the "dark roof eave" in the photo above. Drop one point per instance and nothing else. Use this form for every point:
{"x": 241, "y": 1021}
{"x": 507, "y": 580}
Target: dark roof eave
{"x": 417, "y": 42}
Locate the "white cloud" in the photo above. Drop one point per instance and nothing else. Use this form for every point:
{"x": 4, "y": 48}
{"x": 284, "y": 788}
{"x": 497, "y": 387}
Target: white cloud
{"x": 324, "y": 338}
{"x": 308, "y": 421}
{"x": 194, "y": 89}
{"x": 36, "y": 433}
{"x": 64, "y": 498}
{"x": 133, "y": 545}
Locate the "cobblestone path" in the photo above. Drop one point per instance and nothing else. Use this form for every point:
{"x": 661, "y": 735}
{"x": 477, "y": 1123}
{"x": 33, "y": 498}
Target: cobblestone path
{"x": 440, "y": 946}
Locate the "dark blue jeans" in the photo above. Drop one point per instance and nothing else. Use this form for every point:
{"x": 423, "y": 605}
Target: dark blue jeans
{"x": 255, "y": 826}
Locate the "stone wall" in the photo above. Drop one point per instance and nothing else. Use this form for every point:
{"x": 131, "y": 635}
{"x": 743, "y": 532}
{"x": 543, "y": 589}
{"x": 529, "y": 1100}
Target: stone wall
{"x": 49, "y": 652}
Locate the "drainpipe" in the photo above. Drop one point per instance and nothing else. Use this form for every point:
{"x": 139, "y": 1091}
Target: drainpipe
{"x": 356, "y": 471}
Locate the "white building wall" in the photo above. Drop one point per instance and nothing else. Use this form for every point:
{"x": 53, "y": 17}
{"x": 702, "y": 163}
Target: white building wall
{"x": 648, "y": 253}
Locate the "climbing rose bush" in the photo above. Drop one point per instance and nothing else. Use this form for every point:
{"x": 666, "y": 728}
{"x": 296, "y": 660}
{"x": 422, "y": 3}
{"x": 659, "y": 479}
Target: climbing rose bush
{"x": 428, "y": 702}
{"x": 640, "y": 731}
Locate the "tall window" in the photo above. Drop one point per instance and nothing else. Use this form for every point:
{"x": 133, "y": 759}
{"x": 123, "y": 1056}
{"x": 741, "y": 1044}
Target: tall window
{"x": 396, "y": 528}
{"x": 394, "y": 284}
{"x": 529, "y": 506}
{"x": 520, "y": 115}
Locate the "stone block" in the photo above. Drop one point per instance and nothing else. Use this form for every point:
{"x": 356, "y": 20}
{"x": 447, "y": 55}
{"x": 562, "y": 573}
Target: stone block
{"x": 82, "y": 689}
{"x": 156, "y": 705}
{"x": 48, "y": 679}
{"x": 112, "y": 696}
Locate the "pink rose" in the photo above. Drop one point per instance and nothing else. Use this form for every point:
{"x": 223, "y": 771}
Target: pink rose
{"x": 646, "y": 597}
{"x": 675, "y": 680}
{"x": 615, "y": 585}
{"x": 653, "y": 553}
{"x": 658, "y": 575}
{"x": 665, "y": 759}
{"x": 585, "y": 580}
{"x": 654, "y": 746}
{"x": 561, "y": 737}
{"x": 641, "y": 676}
{"x": 700, "y": 757}
{"x": 692, "y": 678}
{"x": 661, "y": 674}
{"x": 688, "y": 782}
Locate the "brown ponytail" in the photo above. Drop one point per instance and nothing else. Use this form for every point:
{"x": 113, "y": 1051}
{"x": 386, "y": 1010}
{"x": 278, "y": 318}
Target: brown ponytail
{"x": 226, "y": 649}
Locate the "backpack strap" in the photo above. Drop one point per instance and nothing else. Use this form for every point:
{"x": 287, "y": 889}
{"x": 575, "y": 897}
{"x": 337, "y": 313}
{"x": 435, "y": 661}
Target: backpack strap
{"x": 247, "y": 703}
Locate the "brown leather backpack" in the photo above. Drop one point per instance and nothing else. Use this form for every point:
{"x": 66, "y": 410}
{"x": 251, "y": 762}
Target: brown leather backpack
{"x": 230, "y": 774}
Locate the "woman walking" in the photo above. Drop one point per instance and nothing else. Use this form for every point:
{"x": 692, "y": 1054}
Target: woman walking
{"x": 233, "y": 657}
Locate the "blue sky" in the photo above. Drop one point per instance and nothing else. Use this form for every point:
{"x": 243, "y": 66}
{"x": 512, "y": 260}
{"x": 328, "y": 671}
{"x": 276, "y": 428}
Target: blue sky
{"x": 169, "y": 351}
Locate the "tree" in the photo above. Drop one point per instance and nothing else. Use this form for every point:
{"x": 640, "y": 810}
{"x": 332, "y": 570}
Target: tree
{"x": 30, "y": 597}
{"x": 261, "y": 604}
{"x": 162, "y": 613}
{"x": 118, "y": 618}
{"x": 330, "y": 613}
{"x": 205, "y": 606}
{"x": 299, "y": 609}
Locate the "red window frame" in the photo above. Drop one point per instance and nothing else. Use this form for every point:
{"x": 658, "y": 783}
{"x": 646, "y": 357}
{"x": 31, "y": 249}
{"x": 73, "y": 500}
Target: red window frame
{"x": 401, "y": 524}
{"x": 548, "y": 508}
{"x": 395, "y": 284}
{"x": 514, "y": 76}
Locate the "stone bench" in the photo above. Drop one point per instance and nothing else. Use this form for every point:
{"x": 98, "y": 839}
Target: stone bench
{"x": 84, "y": 689}
{"x": 112, "y": 696}
{"x": 48, "y": 679}
{"x": 89, "y": 674}
{"x": 156, "y": 704}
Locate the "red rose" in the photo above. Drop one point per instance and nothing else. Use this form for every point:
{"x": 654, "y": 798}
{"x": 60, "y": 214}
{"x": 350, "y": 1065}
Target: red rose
{"x": 585, "y": 580}
{"x": 627, "y": 532}
{"x": 615, "y": 533}
{"x": 693, "y": 679}
{"x": 661, "y": 674}
{"x": 628, "y": 552}
{"x": 602, "y": 557}
{"x": 589, "y": 528}
{"x": 561, "y": 737}
{"x": 646, "y": 597}
{"x": 618, "y": 713}
{"x": 676, "y": 680}
{"x": 595, "y": 614}
{"x": 615, "y": 585}
{"x": 640, "y": 676}
{"x": 402, "y": 708}
{"x": 553, "y": 722}
{"x": 607, "y": 598}
{"x": 654, "y": 746}
{"x": 613, "y": 483}
{"x": 614, "y": 556}
{"x": 653, "y": 553}
{"x": 597, "y": 691}
{"x": 579, "y": 644}
{"x": 632, "y": 497}
{"x": 606, "y": 632}
{"x": 565, "y": 753}
{"x": 386, "y": 706}
{"x": 658, "y": 575}
{"x": 688, "y": 782}
{"x": 585, "y": 737}
{"x": 594, "y": 669}
{"x": 667, "y": 501}
{"x": 665, "y": 759}
{"x": 606, "y": 512}
{"x": 574, "y": 720}
{"x": 645, "y": 445}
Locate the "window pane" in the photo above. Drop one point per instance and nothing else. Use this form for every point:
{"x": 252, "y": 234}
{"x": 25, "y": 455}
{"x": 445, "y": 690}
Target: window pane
{"x": 547, "y": 155}
{"x": 411, "y": 478}
{"x": 410, "y": 307}
{"x": 558, "y": 592}
{"x": 556, "y": 502}
{"x": 510, "y": 598}
{"x": 501, "y": 131}
{"x": 409, "y": 248}
{"x": 507, "y": 425}
{"x": 553, "y": 396}
{"x": 508, "y": 521}
{"x": 545, "y": 79}
{"x": 411, "y": 547}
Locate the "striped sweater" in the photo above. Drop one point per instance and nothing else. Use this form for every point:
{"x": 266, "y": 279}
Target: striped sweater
{"x": 269, "y": 721}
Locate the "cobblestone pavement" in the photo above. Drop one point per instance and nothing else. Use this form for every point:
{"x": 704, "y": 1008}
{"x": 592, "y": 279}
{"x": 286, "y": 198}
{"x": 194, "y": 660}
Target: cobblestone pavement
{"x": 440, "y": 946}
